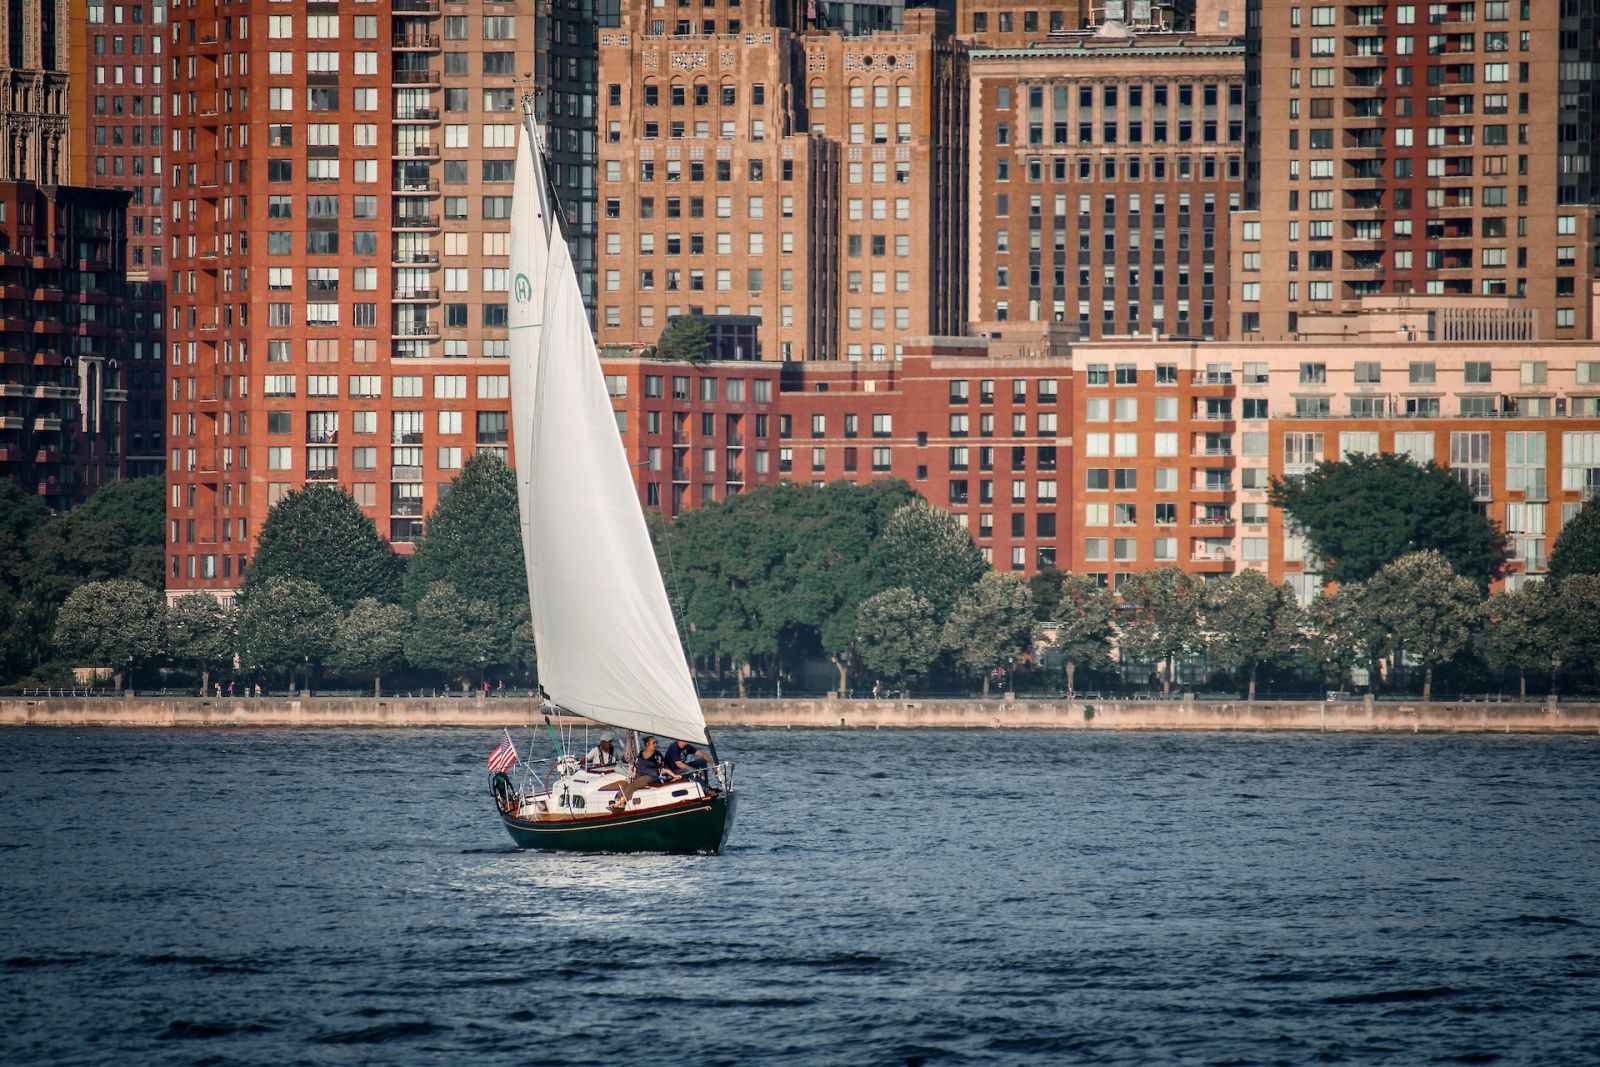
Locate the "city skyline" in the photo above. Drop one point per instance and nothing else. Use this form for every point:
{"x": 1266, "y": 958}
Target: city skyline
{"x": 320, "y": 226}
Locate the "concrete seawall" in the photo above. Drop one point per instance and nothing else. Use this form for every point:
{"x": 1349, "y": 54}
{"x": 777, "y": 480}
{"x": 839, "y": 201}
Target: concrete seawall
{"x": 1357, "y": 716}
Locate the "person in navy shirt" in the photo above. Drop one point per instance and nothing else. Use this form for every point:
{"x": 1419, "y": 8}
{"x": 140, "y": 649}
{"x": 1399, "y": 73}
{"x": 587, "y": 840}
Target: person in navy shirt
{"x": 685, "y": 759}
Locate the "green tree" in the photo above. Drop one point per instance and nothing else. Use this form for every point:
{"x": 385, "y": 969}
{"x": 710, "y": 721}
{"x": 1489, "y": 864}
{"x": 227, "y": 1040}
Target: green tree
{"x": 451, "y": 634}
{"x": 782, "y": 565}
{"x": 200, "y": 635}
{"x": 831, "y": 565}
{"x": 473, "y": 540}
{"x": 683, "y": 340}
{"x": 287, "y": 623}
{"x": 1338, "y": 633}
{"x": 371, "y": 640}
{"x": 115, "y": 623}
{"x": 1364, "y": 512}
{"x": 22, "y": 638}
{"x": 1084, "y": 613}
{"x": 1426, "y": 609}
{"x": 1575, "y": 621}
{"x": 926, "y": 549}
{"x": 1517, "y": 633}
{"x": 319, "y": 534}
{"x": 992, "y": 624}
{"x": 1160, "y": 618}
{"x": 1045, "y": 584}
{"x": 1577, "y": 548}
{"x": 117, "y": 533}
{"x": 1250, "y": 621}
{"x": 896, "y": 633}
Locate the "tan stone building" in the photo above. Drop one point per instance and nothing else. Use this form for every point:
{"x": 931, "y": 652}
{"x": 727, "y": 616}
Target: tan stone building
{"x": 1443, "y": 148}
{"x": 33, "y": 91}
{"x": 813, "y": 183}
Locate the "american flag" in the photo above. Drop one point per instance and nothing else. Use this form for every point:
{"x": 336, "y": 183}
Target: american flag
{"x": 504, "y": 755}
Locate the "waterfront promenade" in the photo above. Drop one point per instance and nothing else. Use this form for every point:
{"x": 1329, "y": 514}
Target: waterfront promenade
{"x": 1340, "y": 715}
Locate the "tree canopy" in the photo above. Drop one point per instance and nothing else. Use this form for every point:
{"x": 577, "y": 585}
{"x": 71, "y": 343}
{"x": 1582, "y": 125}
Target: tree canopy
{"x": 1249, "y": 621}
{"x": 371, "y": 639}
{"x": 1426, "y": 609}
{"x": 925, "y": 548}
{"x": 287, "y": 622}
{"x": 1517, "y": 631}
{"x": 116, "y": 624}
{"x": 780, "y": 565}
{"x": 1577, "y": 548}
{"x": 1084, "y": 613}
{"x": 1160, "y": 617}
{"x": 453, "y": 634}
{"x": 473, "y": 540}
{"x": 992, "y": 624}
{"x": 1364, "y": 512}
{"x": 897, "y": 634}
{"x": 200, "y": 634}
{"x": 683, "y": 340}
{"x": 319, "y": 534}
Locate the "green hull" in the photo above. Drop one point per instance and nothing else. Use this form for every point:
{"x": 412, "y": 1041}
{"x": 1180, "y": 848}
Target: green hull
{"x": 697, "y": 826}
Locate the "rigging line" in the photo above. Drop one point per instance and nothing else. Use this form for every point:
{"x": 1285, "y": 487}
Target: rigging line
{"x": 682, "y": 627}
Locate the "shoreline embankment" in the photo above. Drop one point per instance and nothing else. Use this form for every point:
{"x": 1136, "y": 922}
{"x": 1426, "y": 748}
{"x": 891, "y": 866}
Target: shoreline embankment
{"x": 1179, "y": 713}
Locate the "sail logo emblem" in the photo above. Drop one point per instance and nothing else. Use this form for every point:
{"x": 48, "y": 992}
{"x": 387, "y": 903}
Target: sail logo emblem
{"x": 523, "y": 289}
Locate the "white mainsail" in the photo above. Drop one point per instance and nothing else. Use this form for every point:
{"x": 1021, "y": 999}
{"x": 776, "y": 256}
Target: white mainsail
{"x": 608, "y": 647}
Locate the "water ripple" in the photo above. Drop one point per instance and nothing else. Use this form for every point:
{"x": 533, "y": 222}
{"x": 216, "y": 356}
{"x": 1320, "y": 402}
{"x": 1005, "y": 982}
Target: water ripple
{"x": 343, "y": 897}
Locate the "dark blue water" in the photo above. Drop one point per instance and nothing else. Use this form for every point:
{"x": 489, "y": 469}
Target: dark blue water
{"x": 270, "y": 897}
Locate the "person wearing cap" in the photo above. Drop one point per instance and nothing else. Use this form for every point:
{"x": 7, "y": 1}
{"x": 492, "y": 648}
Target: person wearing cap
{"x": 605, "y": 754}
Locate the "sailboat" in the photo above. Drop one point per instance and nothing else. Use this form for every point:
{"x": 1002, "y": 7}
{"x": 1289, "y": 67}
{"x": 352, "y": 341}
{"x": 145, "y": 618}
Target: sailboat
{"x": 608, "y": 646}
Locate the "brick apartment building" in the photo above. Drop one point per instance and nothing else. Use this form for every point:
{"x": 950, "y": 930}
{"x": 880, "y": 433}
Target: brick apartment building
{"x": 1443, "y": 148}
{"x": 63, "y": 338}
{"x": 1107, "y": 458}
{"x": 340, "y": 201}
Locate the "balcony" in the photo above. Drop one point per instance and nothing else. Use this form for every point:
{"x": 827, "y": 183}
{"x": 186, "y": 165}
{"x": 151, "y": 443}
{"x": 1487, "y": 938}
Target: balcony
{"x": 402, "y": 258}
{"x": 115, "y": 396}
{"x": 415, "y": 77}
{"x": 417, "y": 296}
{"x": 414, "y": 7}
{"x": 422, "y": 188}
{"x": 415, "y": 151}
{"x": 12, "y": 422}
{"x": 47, "y": 422}
{"x": 55, "y": 392}
{"x": 416, "y": 42}
{"x": 418, "y": 114}
{"x": 322, "y": 474}
{"x": 416, "y": 222}
{"x": 417, "y": 328}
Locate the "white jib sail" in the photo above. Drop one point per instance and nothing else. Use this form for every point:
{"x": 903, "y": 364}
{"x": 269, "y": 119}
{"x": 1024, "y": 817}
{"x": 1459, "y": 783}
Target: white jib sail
{"x": 608, "y": 647}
